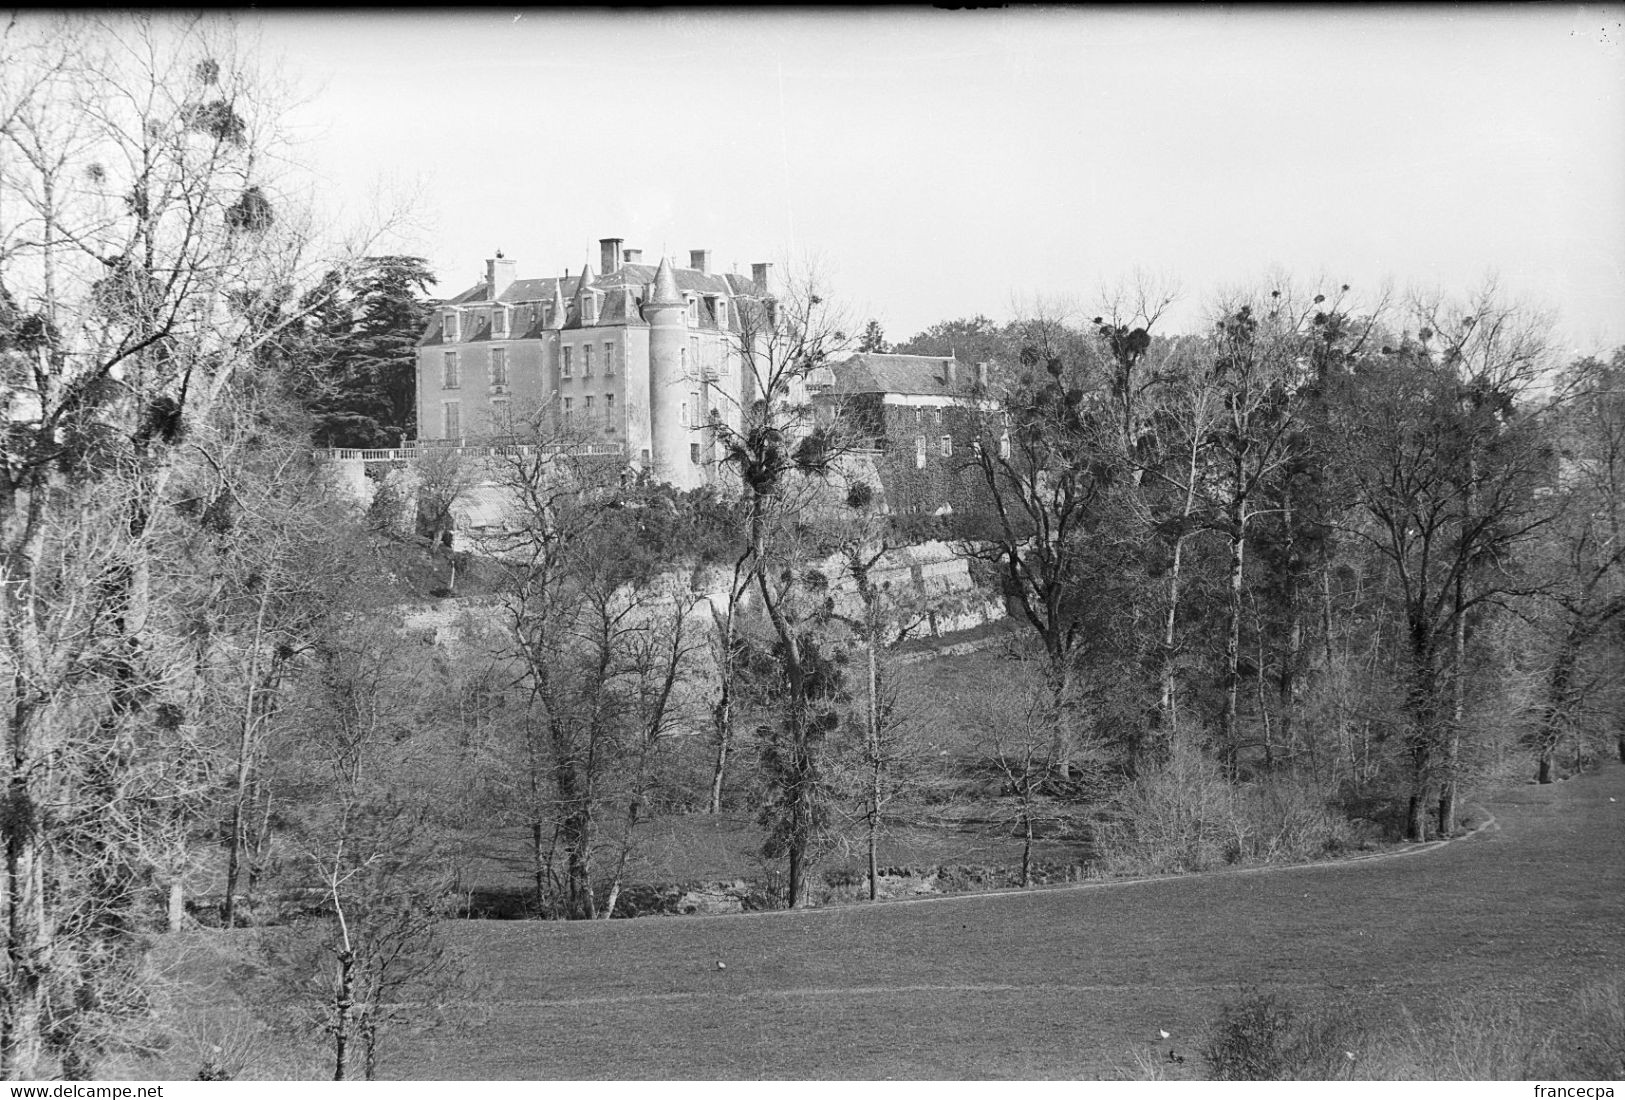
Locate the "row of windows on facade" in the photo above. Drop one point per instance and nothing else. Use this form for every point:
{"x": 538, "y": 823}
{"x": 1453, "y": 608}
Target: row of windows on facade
{"x": 452, "y": 419}
{"x": 945, "y": 447}
{"x": 452, "y": 376}
{"x": 502, "y": 316}
{"x": 452, "y": 413}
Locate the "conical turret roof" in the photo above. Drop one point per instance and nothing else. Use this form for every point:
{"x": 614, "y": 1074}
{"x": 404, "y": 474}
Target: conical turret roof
{"x": 586, "y": 279}
{"x": 557, "y": 313}
{"x": 664, "y": 292}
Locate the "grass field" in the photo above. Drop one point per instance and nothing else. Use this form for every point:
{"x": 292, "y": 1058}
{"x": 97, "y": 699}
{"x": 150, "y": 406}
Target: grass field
{"x": 1056, "y": 983}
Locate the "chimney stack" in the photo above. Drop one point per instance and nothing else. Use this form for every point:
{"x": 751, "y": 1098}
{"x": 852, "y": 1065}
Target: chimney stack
{"x": 981, "y": 374}
{"x": 609, "y": 255}
{"x": 632, "y": 255}
{"x": 950, "y": 373}
{"x": 700, "y": 260}
{"x": 498, "y": 275}
{"x": 758, "y": 275}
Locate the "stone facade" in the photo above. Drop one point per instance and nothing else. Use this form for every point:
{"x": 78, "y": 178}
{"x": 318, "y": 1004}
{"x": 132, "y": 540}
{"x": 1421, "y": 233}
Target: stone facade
{"x": 920, "y": 419}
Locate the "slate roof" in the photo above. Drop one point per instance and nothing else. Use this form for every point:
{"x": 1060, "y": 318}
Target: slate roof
{"x": 872, "y": 372}
{"x": 612, "y": 309}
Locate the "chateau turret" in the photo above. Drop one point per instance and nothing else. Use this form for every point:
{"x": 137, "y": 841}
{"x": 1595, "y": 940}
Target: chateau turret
{"x": 673, "y": 412}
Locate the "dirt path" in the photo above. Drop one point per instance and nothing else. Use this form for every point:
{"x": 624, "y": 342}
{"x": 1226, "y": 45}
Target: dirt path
{"x": 1057, "y": 983}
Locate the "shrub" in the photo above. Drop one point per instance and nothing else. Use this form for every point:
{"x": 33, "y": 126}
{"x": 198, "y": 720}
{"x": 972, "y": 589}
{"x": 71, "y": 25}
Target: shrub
{"x": 1262, "y": 1038}
{"x": 1185, "y": 816}
{"x": 1179, "y": 817}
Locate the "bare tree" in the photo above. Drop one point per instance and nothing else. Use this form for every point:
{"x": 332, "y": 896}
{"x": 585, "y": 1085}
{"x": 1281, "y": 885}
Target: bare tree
{"x": 1586, "y": 553}
{"x": 1021, "y": 750}
{"x": 597, "y": 623}
{"x": 782, "y": 458}
{"x": 371, "y": 835}
{"x": 1047, "y": 454}
{"x": 1442, "y": 444}
{"x": 147, "y": 255}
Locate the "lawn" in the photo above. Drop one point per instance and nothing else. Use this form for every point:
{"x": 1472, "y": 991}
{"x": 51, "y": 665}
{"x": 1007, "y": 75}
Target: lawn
{"x": 1057, "y": 983}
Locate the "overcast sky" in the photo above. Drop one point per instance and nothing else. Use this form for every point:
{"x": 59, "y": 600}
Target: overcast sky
{"x": 941, "y": 164}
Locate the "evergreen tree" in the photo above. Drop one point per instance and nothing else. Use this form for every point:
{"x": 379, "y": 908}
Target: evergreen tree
{"x": 361, "y": 354}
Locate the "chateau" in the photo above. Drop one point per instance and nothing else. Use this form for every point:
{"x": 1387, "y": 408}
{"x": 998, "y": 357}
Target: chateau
{"x": 636, "y": 355}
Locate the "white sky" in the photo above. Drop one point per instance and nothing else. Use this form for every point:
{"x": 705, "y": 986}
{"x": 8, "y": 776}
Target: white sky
{"x": 941, "y": 164}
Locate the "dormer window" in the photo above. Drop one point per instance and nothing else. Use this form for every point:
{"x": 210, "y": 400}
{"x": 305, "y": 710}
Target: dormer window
{"x": 693, "y": 312}
{"x": 589, "y": 309}
{"x": 719, "y": 309}
{"x": 448, "y": 327}
{"x": 499, "y": 321}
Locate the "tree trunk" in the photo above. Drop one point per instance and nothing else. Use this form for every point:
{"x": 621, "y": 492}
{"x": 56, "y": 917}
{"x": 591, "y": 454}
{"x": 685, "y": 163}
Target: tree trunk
{"x": 1458, "y": 712}
{"x": 1422, "y": 705}
{"x": 1416, "y": 819}
{"x": 343, "y": 1007}
{"x": 1554, "y": 719}
{"x": 722, "y": 715}
{"x": 1168, "y": 703}
{"x": 1027, "y": 844}
{"x": 1060, "y": 692}
{"x": 722, "y": 722}
{"x": 876, "y": 763}
{"x": 28, "y": 937}
{"x": 245, "y": 762}
{"x": 538, "y": 865}
{"x": 1229, "y": 733}
{"x": 176, "y": 909}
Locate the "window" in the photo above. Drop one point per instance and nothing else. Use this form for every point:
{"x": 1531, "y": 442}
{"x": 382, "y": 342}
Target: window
{"x": 693, "y": 312}
{"x": 947, "y": 446}
{"x": 569, "y": 413}
{"x": 694, "y": 453}
{"x": 694, "y": 351}
{"x": 589, "y": 309}
{"x": 919, "y": 452}
{"x": 586, "y": 360}
{"x": 682, "y": 361}
{"x": 683, "y": 417}
{"x": 699, "y": 409}
{"x": 453, "y": 422}
{"x": 453, "y": 378}
{"x": 499, "y": 366}
{"x": 719, "y": 310}
{"x": 449, "y": 328}
{"x": 499, "y": 321}
{"x": 609, "y": 410}
{"x": 586, "y": 407}
{"x": 919, "y": 418}
{"x": 568, "y": 351}
{"x": 609, "y": 358}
